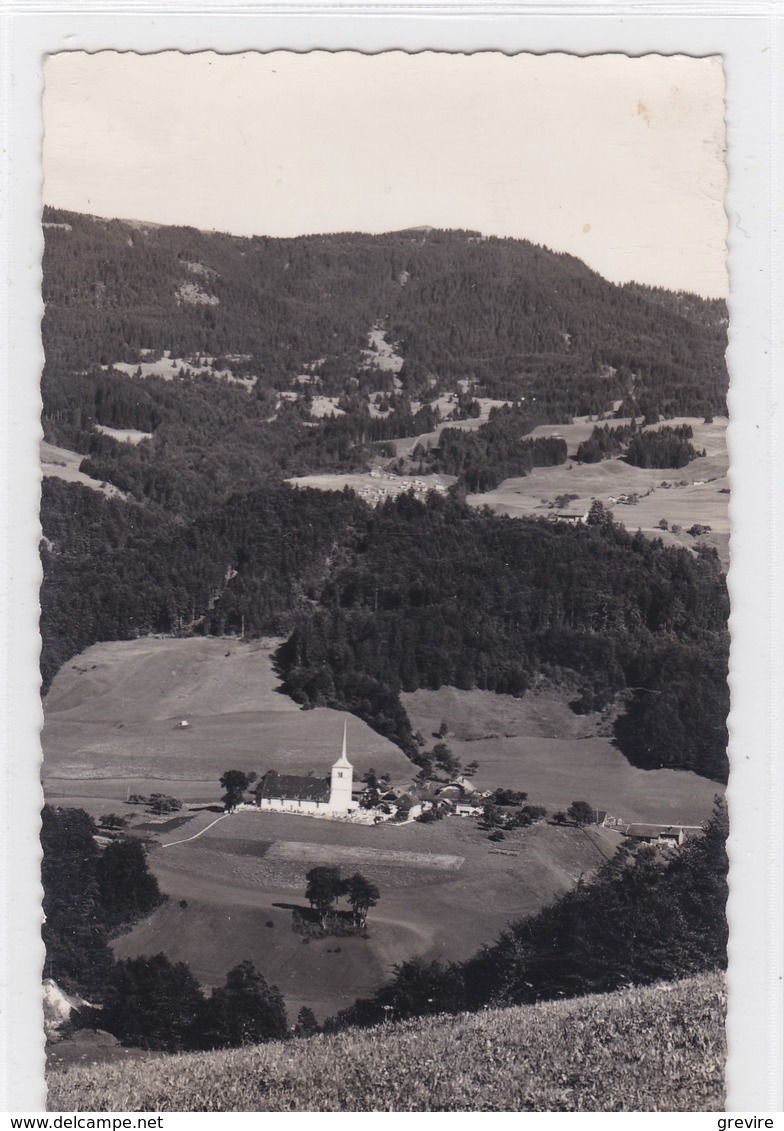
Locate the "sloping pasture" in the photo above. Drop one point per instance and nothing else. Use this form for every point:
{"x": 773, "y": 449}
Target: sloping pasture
{"x": 695, "y": 494}
{"x": 445, "y": 890}
{"x": 537, "y": 744}
{"x": 65, "y": 464}
{"x": 114, "y": 716}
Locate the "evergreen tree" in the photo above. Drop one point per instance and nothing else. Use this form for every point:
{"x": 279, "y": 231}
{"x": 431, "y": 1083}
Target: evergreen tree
{"x": 307, "y": 1025}
{"x": 127, "y": 888}
{"x": 152, "y": 1003}
{"x": 245, "y": 1011}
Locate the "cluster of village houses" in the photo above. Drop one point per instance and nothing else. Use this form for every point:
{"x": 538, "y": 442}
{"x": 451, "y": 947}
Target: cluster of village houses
{"x": 340, "y": 797}
{"x": 394, "y": 484}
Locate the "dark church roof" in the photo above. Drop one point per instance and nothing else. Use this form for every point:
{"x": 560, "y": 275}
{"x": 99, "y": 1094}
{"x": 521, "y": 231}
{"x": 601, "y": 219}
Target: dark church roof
{"x": 292, "y": 787}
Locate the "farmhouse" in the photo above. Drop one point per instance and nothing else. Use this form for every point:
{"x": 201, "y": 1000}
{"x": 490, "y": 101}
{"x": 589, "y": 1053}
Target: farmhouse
{"x": 468, "y": 809}
{"x": 458, "y": 787}
{"x": 656, "y": 834}
{"x": 328, "y": 797}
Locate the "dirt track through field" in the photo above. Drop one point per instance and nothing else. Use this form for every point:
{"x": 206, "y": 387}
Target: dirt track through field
{"x": 195, "y": 836}
{"x": 345, "y": 854}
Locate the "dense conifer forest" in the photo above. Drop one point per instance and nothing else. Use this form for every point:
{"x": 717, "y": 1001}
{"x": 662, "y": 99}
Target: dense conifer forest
{"x": 207, "y": 537}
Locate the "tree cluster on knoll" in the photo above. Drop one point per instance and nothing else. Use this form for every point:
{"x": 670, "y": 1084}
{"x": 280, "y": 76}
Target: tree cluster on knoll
{"x": 646, "y": 916}
{"x": 661, "y": 447}
{"x": 325, "y": 886}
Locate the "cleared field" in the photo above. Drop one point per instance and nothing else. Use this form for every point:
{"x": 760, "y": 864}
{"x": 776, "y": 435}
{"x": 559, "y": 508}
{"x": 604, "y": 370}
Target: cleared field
{"x": 660, "y": 1048}
{"x": 64, "y": 464}
{"x": 538, "y": 745}
{"x": 381, "y": 354}
{"x": 124, "y": 435}
{"x": 115, "y": 713}
{"x": 325, "y": 406}
{"x": 375, "y": 489}
{"x": 341, "y": 854}
{"x": 168, "y": 367}
{"x": 697, "y": 493}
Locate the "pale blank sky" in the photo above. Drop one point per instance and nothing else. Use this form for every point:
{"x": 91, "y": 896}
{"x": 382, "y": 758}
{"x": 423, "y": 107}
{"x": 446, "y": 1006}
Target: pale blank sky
{"x": 619, "y": 161}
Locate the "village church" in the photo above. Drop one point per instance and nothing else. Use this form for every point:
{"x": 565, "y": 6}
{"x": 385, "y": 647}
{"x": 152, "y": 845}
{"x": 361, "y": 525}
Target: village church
{"x": 328, "y": 797}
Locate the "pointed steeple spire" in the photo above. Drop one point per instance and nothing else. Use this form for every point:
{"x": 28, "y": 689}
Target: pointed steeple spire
{"x": 343, "y": 759}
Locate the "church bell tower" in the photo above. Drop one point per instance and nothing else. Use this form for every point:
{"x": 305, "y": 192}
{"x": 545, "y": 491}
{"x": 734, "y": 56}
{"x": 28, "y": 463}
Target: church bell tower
{"x": 342, "y": 781}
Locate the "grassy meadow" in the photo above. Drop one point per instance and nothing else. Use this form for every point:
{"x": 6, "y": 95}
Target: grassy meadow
{"x": 445, "y": 890}
{"x": 65, "y": 464}
{"x": 660, "y": 1048}
{"x": 539, "y": 745}
{"x": 113, "y": 714}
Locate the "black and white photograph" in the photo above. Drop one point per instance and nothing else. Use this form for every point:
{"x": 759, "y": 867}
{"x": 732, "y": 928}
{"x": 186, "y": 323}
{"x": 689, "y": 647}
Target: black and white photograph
{"x": 384, "y": 617}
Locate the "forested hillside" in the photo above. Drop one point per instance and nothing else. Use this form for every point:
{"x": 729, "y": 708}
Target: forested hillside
{"x": 515, "y": 319}
{"x": 412, "y": 595}
{"x": 242, "y": 362}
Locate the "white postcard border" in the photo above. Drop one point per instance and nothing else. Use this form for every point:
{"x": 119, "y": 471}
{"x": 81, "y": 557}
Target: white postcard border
{"x": 748, "y": 37}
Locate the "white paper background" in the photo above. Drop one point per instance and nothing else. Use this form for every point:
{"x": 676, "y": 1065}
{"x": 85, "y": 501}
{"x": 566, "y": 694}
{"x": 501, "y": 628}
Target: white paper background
{"x": 748, "y": 39}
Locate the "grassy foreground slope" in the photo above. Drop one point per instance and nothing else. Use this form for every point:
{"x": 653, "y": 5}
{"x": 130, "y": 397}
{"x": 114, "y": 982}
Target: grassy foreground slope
{"x": 661, "y": 1048}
